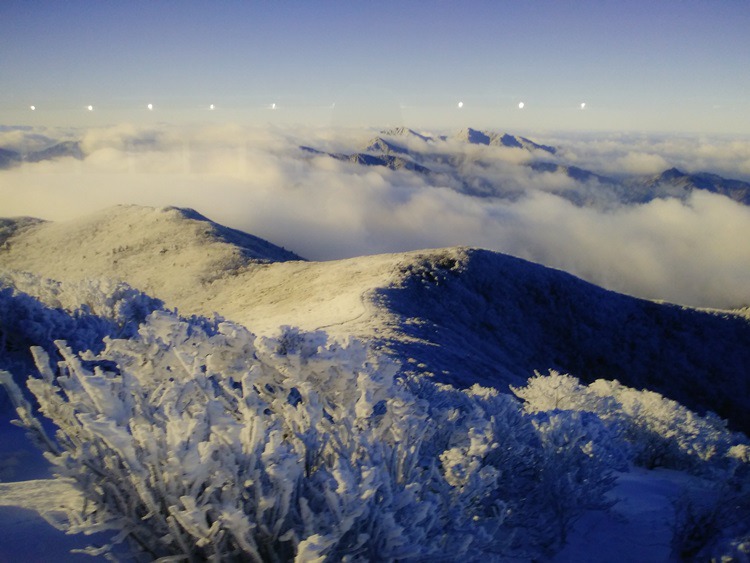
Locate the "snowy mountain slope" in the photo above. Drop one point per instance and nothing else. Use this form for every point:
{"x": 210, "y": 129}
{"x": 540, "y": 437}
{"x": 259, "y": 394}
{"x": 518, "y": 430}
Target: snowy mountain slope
{"x": 574, "y": 172}
{"x": 58, "y": 150}
{"x": 16, "y": 225}
{"x": 677, "y": 184}
{"x": 379, "y": 144}
{"x": 170, "y": 250}
{"x": 463, "y": 315}
{"x": 405, "y": 132}
{"x": 362, "y": 158}
{"x": 494, "y": 317}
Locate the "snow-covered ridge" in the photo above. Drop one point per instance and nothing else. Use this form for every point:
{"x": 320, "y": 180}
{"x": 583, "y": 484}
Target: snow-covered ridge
{"x": 463, "y": 315}
{"x": 173, "y": 249}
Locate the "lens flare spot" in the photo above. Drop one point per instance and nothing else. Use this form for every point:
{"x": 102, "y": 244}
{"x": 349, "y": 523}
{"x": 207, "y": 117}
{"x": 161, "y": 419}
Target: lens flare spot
{"x": 460, "y": 105}
{"x": 521, "y": 105}
{"x": 90, "y": 108}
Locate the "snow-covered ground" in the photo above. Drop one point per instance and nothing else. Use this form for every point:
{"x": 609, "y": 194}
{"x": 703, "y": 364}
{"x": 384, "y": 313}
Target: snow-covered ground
{"x": 638, "y": 528}
{"x": 28, "y": 493}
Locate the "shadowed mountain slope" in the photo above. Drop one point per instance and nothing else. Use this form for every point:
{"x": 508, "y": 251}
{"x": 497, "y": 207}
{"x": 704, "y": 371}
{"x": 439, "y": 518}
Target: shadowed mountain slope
{"x": 487, "y": 317}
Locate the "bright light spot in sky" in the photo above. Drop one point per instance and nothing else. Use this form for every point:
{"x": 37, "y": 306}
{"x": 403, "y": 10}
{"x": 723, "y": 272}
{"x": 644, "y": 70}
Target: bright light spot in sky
{"x": 521, "y": 105}
{"x": 460, "y": 104}
{"x": 273, "y": 106}
{"x": 583, "y": 105}
{"x": 32, "y": 108}
{"x": 150, "y": 107}
{"x": 211, "y": 106}
{"x": 90, "y": 108}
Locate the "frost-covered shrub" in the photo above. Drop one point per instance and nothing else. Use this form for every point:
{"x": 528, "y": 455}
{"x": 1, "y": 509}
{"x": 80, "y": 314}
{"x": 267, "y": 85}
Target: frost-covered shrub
{"x": 647, "y": 429}
{"x": 663, "y": 433}
{"x": 714, "y": 526}
{"x": 36, "y": 311}
{"x": 653, "y": 430}
{"x": 195, "y": 439}
{"x": 556, "y": 392}
{"x": 26, "y": 322}
{"x": 125, "y": 307}
{"x": 214, "y": 445}
{"x": 545, "y": 470}
{"x": 576, "y": 467}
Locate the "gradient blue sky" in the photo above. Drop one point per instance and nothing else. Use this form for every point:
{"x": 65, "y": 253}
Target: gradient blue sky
{"x": 639, "y": 65}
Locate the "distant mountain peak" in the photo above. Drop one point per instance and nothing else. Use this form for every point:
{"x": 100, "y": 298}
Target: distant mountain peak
{"x": 477, "y": 137}
{"x": 404, "y": 132}
{"x": 473, "y": 136}
{"x": 672, "y": 174}
{"x": 378, "y": 144}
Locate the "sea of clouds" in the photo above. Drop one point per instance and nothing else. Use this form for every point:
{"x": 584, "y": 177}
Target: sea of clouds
{"x": 258, "y": 180}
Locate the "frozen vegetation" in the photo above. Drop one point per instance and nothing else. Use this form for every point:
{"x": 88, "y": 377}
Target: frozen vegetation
{"x": 380, "y": 429}
{"x": 193, "y": 437}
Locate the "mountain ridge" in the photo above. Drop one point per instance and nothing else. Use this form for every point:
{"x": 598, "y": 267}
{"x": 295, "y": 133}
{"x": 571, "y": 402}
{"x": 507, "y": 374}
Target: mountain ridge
{"x": 11, "y": 158}
{"x": 459, "y": 315}
{"x": 489, "y": 138}
{"x": 591, "y": 189}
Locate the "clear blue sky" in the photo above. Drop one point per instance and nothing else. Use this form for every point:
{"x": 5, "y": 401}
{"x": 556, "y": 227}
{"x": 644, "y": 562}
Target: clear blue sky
{"x": 645, "y": 65}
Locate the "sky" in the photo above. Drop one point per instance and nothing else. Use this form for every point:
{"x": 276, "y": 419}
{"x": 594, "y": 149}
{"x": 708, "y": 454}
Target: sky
{"x": 664, "y": 84}
{"x": 672, "y": 65}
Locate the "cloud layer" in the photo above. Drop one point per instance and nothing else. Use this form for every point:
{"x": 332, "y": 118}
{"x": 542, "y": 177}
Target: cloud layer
{"x": 691, "y": 252}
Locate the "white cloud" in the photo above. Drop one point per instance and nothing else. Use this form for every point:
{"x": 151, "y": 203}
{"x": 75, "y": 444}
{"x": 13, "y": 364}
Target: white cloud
{"x": 629, "y": 153}
{"x": 259, "y": 181}
{"x": 639, "y": 163}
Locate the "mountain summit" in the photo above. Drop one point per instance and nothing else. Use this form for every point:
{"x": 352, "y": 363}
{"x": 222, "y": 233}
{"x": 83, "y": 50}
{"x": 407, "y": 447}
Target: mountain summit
{"x": 170, "y": 251}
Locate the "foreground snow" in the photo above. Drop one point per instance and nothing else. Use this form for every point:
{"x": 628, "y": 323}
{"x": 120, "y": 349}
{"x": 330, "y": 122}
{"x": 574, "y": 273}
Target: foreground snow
{"x": 638, "y": 528}
{"x": 26, "y": 509}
